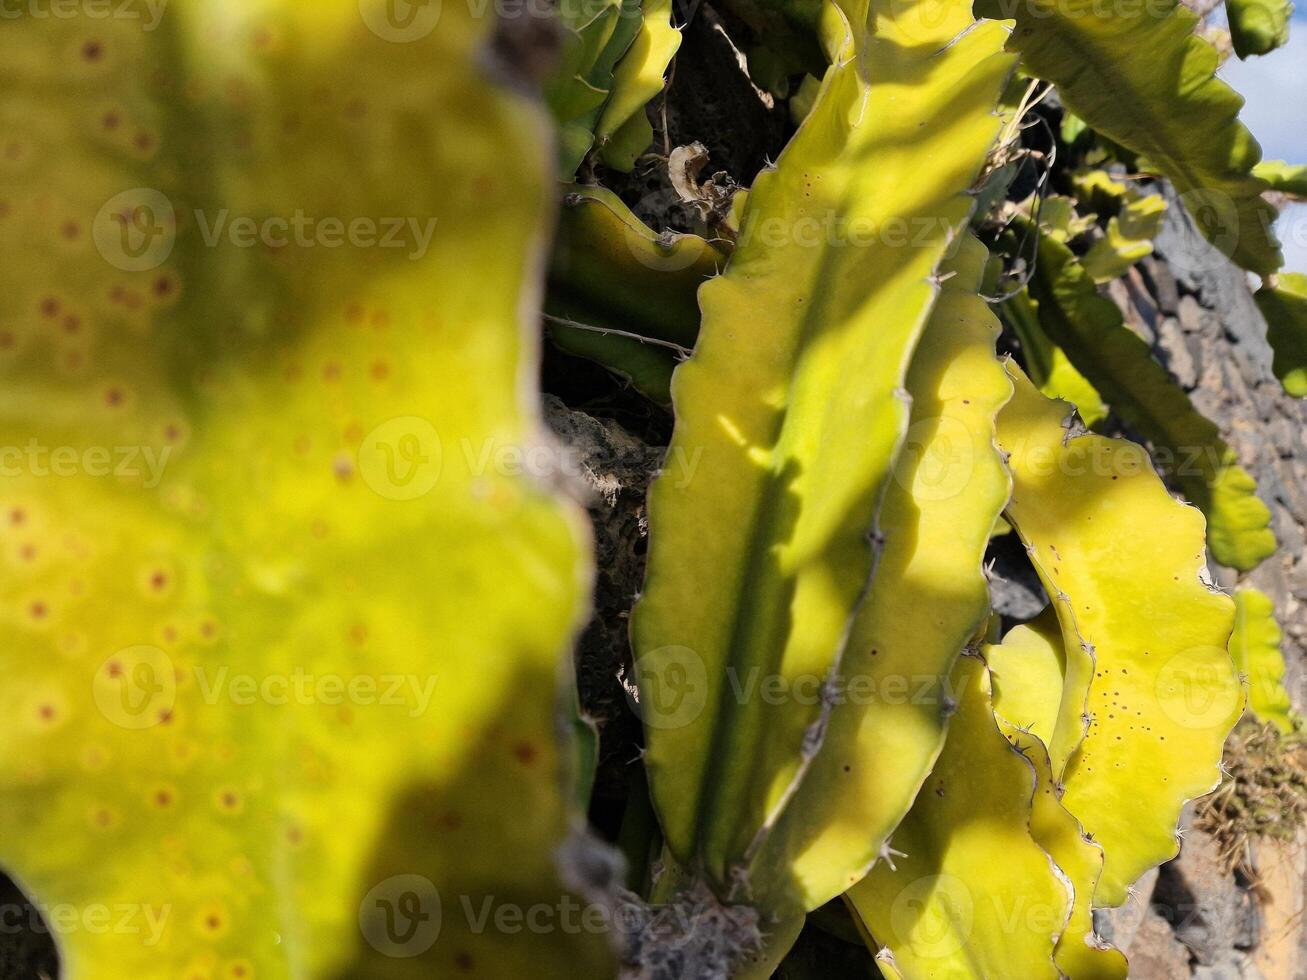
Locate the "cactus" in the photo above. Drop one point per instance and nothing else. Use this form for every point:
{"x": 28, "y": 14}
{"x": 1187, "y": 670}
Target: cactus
{"x": 1117, "y": 362}
{"x": 1027, "y": 670}
{"x": 973, "y": 894}
{"x": 615, "y": 55}
{"x": 1151, "y": 105}
{"x": 624, "y": 296}
{"x": 1283, "y": 303}
{"x": 1046, "y": 363}
{"x": 298, "y": 691}
{"x": 928, "y": 598}
{"x": 793, "y": 399}
{"x": 1255, "y": 648}
{"x": 1128, "y": 239}
{"x": 1149, "y": 693}
{"x": 1258, "y": 26}
{"x": 1286, "y": 178}
{"x": 259, "y": 693}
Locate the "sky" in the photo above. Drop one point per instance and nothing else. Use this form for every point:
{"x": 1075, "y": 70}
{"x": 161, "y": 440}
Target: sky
{"x": 1275, "y": 86}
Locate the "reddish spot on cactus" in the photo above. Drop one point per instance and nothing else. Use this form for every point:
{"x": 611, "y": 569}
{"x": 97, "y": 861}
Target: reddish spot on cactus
{"x": 165, "y": 286}
{"x": 525, "y": 753}
{"x": 38, "y": 610}
{"x": 110, "y": 120}
{"x": 71, "y": 230}
{"x": 49, "y": 307}
{"x": 115, "y": 397}
{"x": 464, "y": 962}
{"x": 92, "y": 51}
{"x": 229, "y": 800}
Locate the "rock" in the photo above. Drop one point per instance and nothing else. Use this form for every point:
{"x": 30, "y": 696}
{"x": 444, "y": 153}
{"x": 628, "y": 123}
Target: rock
{"x": 1205, "y": 906}
{"x": 1154, "y": 952}
{"x": 1232, "y": 966}
{"x": 1119, "y": 926}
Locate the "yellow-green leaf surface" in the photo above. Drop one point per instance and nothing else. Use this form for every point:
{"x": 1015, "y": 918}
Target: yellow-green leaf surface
{"x": 1118, "y": 363}
{"x": 1258, "y": 26}
{"x": 792, "y": 406}
{"x": 929, "y": 596}
{"x": 611, "y": 271}
{"x": 1047, "y": 364}
{"x": 1149, "y": 693}
{"x": 282, "y": 619}
{"x": 1148, "y": 82}
{"x": 1027, "y": 672}
{"x": 1255, "y": 647}
{"x": 1287, "y": 178}
{"x": 971, "y": 895}
{"x": 1128, "y": 239}
{"x": 1284, "y": 306}
{"x": 596, "y": 36}
{"x": 624, "y": 131}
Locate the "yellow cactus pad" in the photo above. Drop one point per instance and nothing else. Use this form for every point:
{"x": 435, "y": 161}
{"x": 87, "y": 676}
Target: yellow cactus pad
{"x": 968, "y": 894}
{"x": 282, "y": 616}
{"x": 1284, "y": 305}
{"x": 1255, "y": 647}
{"x": 1150, "y": 693}
{"x": 792, "y": 406}
{"x": 1027, "y": 672}
{"x": 1120, "y": 366}
{"x": 929, "y": 596}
